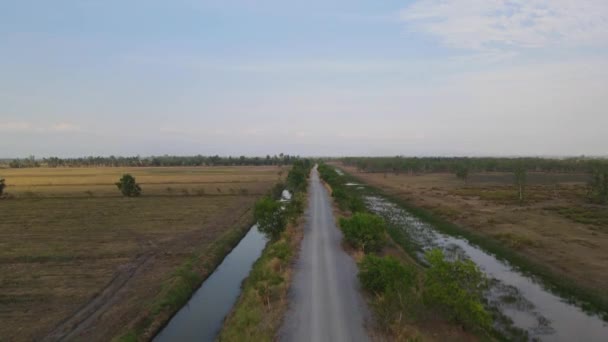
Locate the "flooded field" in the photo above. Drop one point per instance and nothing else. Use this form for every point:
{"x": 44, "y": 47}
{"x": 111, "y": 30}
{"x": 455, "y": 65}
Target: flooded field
{"x": 525, "y": 304}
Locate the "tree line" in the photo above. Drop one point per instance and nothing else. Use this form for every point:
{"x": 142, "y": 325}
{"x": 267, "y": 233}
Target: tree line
{"x": 474, "y": 164}
{"x": 166, "y": 160}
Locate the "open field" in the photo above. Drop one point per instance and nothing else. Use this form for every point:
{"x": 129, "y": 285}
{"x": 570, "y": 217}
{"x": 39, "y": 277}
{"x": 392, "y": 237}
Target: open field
{"x": 556, "y": 227}
{"x": 94, "y": 266}
{"x": 155, "y": 181}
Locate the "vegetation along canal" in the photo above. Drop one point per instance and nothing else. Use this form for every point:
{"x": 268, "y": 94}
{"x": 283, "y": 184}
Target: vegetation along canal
{"x": 201, "y": 319}
{"x": 524, "y": 303}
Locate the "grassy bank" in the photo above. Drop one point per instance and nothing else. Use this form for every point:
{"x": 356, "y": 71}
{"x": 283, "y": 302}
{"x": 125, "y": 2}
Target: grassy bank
{"x": 177, "y": 290}
{"x": 590, "y": 300}
{"x": 259, "y": 311}
{"x": 263, "y": 301}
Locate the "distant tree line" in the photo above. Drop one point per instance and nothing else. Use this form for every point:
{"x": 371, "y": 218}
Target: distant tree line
{"x": 464, "y": 166}
{"x": 166, "y": 160}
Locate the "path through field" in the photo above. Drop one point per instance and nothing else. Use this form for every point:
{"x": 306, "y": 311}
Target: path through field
{"x": 325, "y": 302}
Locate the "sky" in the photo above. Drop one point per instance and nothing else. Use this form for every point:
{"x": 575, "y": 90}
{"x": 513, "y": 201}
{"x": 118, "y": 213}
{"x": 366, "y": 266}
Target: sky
{"x": 312, "y": 78}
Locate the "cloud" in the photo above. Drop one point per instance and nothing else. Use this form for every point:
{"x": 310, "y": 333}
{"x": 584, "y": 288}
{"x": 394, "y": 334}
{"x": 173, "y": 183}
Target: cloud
{"x": 503, "y": 25}
{"x": 23, "y": 126}
{"x": 64, "y": 127}
{"x": 14, "y": 126}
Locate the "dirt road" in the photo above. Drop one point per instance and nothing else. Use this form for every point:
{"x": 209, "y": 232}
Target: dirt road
{"x": 325, "y": 302}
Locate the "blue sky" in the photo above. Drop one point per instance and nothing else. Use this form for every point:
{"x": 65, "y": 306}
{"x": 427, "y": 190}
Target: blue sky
{"x": 423, "y": 77}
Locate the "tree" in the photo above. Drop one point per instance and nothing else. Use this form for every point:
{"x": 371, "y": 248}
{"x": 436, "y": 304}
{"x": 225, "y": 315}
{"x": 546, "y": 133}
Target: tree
{"x": 2, "y": 186}
{"x": 457, "y": 289}
{"x": 365, "y": 231}
{"x": 521, "y": 176}
{"x": 598, "y": 185}
{"x": 271, "y": 218}
{"x": 462, "y": 172}
{"x": 128, "y": 186}
{"x": 378, "y": 275}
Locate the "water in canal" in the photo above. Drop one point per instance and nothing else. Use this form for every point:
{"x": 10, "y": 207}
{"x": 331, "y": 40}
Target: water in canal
{"x": 201, "y": 319}
{"x": 533, "y": 309}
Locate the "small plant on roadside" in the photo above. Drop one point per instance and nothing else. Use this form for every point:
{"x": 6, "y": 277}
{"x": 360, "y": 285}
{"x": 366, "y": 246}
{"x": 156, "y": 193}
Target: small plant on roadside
{"x": 364, "y": 231}
{"x": 379, "y": 275}
{"x": 2, "y": 185}
{"x": 128, "y": 186}
{"x": 456, "y": 288}
{"x": 271, "y": 218}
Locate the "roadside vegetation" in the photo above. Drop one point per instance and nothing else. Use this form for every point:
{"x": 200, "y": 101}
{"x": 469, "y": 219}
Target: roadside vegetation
{"x": 404, "y": 294}
{"x": 259, "y": 311}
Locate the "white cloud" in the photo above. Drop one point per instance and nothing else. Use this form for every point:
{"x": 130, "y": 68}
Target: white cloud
{"x": 23, "y": 126}
{"x": 64, "y": 127}
{"x": 14, "y": 126}
{"x": 504, "y": 24}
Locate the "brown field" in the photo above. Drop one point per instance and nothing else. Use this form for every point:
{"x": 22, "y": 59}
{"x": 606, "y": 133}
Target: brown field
{"x": 90, "y": 266}
{"x": 556, "y": 227}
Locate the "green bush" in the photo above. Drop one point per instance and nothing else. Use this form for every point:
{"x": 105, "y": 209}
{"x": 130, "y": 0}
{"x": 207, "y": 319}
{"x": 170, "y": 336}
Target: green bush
{"x": 295, "y": 207}
{"x": 271, "y": 218}
{"x": 128, "y": 187}
{"x": 356, "y": 204}
{"x": 2, "y": 185}
{"x": 456, "y": 288}
{"x": 280, "y": 250}
{"x": 365, "y": 231}
{"x": 380, "y": 275}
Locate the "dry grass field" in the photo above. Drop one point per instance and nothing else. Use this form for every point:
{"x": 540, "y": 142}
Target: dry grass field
{"x": 81, "y": 262}
{"x": 556, "y": 227}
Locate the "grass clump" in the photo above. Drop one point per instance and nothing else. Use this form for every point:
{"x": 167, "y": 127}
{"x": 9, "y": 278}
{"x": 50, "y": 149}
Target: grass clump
{"x": 364, "y": 231}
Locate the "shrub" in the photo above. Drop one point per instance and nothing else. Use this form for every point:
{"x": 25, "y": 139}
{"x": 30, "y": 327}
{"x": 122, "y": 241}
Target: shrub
{"x": 2, "y": 186}
{"x": 380, "y": 275}
{"x": 356, "y": 204}
{"x": 280, "y": 250}
{"x": 128, "y": 186}
{"x": 295, "y": 207}
{"x": 271, "y": 218}
{"x": 365, "y": 231}
{"x": 598, "y": 185}
{"x": 456, "y": 288}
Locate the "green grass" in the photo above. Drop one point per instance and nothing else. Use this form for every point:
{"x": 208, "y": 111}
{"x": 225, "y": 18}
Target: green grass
{"x": 595, "y": 216}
